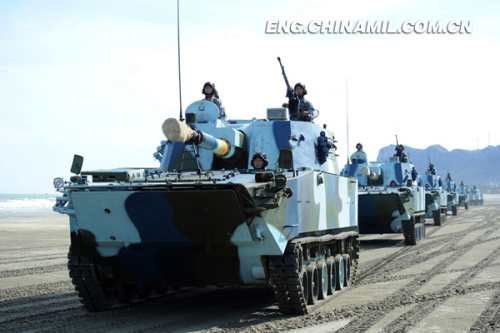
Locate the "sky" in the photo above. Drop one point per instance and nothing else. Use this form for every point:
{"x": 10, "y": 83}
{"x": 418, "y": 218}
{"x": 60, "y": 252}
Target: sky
{"x": 98, "y": 77}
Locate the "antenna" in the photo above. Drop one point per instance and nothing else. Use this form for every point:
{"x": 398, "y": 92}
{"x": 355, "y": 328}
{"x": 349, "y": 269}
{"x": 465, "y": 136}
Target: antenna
{"x": 347, "y": 118}
{"x": 179, "y": 63}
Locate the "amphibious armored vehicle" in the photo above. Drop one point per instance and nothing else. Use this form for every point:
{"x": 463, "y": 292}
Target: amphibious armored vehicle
{"x": 436, "y": 199}
{"x": 390, "y": 200}
{"x": 463, "y": 195}
{"x": 476, "y": 196}
{"x": 453, "y": 197}
{"x": 205, "y": 217}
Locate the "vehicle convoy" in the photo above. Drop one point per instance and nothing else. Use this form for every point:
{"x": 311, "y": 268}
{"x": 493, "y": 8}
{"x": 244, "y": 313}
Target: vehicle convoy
{"x": 204, "y": 217}
{"x": 436, "y": 199}
{"x": 453, "y": 197}
{"x": 389, "y": 198}
{"x": 476, "y": 196}
{"x": 463, "y": 195}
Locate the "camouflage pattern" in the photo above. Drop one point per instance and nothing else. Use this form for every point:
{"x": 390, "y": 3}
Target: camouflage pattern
{"x": 218, "y": 222}
{"x": 383, "y": 207}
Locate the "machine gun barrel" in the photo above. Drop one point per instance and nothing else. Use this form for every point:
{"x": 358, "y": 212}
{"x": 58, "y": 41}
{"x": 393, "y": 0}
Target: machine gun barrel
{"x": 293, "y": 101}
{"x": 178, "y": 131}
{"x": 284, "y": 75}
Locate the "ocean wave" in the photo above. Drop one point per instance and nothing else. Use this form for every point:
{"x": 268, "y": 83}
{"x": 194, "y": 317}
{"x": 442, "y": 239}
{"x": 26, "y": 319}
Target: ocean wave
{"x": 23, "y": 203}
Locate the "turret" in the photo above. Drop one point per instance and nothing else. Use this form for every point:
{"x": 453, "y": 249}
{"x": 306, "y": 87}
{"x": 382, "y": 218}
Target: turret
{"x": 208, "y": 143}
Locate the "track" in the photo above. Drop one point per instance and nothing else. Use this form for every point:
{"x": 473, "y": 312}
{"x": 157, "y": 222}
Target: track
{"x": 449, "y": 281}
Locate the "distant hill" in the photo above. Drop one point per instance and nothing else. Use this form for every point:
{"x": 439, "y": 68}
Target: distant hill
{"x": 474, "y": 167}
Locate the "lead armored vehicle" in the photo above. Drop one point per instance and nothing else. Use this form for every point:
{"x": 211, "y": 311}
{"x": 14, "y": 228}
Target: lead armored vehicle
{"x": 436, "y": 199}
{"x": 205, "y": 217}
{"x": 389, "y": 198}
{"x": 463, "y": 195}
{"x": 453, "y": 197}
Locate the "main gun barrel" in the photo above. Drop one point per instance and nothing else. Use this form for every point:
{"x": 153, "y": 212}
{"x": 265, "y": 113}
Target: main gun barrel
{"x": 177, "y": 131}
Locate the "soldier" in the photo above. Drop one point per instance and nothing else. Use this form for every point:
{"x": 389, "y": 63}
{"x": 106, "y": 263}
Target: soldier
{"x": 259, "y": 161}
{"x": 306, "y": 109}
{"x": 359, "y": 156}
{"x": 212, "y": 95}
{"x": 399, "y": 153}
{"x": 359, "y": 148}
{"x": 432, "y": 169}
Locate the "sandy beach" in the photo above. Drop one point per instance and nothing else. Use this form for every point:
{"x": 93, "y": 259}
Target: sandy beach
{"x": 450, "y": 282}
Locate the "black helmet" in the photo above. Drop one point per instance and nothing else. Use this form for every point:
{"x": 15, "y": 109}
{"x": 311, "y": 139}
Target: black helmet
{"x": 212, "y": 85}
{"x": 262, "y": 156}
{"x": 302, "y": 86}
{"x": 400, "y": 147}
{"x": 359, "y": 144}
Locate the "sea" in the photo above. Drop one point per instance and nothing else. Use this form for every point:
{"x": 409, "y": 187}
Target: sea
{"x": 23, "y": 203}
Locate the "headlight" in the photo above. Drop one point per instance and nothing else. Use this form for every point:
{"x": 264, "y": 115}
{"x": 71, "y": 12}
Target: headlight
{"x": 58, "y": 182}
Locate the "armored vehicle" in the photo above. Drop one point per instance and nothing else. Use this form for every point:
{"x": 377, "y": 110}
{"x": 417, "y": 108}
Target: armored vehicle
{"x": 389, "y": 198}
{"x": 205, "y": 217}
{"x": 453, "y": 197}
{"x": 476, "y": 197}
{"x": 463, "y": 195}
{"x": 436, "y": 199}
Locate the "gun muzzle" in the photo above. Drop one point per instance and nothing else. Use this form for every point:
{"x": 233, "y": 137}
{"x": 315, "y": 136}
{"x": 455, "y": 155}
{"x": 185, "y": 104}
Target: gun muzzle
{"x": 369, "y": 173}
{"x": 177, "y": 131}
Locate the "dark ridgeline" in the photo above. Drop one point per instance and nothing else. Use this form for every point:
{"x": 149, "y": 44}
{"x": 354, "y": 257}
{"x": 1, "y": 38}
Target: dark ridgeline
{"x": 475, "y": 167}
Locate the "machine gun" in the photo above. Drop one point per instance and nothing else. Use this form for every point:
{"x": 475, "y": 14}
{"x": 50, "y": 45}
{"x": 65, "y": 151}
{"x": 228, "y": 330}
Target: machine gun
{"x": 431, "y": 166}
{"x": 293, "y": 100}
{"x": 399, "y": 152}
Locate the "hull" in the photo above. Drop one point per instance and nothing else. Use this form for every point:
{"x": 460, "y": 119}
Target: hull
{"x": 205, "y": 234}
{"x": 463, "y": 200}
{"x": 435, "y": 200}
{"x": 453, "y": 200}
{"x": 383, "y": 211}
{"x": 476, "y": 199}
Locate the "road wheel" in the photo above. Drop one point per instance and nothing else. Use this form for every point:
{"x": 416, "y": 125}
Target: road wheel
{"x": 339, "y": 272}
{"x": 347, "y": 269}
{"x": 313, "y": 283}
{"x": 323, "y": 279}
{"x": 332, "y": 275}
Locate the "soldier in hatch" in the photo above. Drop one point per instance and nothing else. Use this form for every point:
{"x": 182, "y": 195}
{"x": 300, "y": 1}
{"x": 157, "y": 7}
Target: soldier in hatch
{"x": 359, "y": 155}
{"x": 306, "y": 109}
{"x": 212, "y": 95}
{"x": 259, "y": 161}
{"x": 401, "y": 154}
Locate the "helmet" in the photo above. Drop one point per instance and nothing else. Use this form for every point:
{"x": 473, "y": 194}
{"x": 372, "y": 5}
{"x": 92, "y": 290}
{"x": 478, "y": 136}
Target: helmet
{"x": 209, "y": 84}
{"x": 359, "y": 144}
{"x": 302, "y": 86}
{"x": 262, "y": 156}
